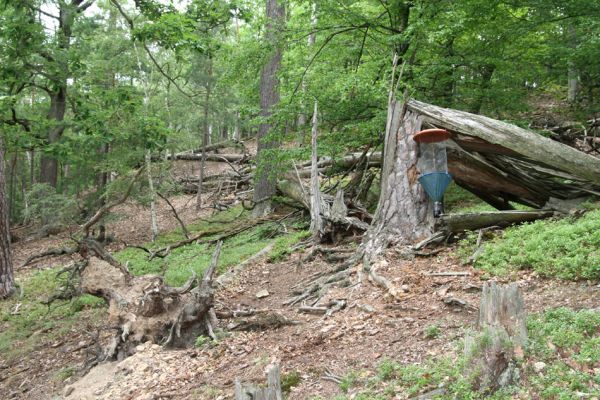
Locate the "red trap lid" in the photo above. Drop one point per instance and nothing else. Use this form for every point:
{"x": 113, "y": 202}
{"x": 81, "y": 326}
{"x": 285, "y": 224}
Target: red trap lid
{"x": 431, "y": 136}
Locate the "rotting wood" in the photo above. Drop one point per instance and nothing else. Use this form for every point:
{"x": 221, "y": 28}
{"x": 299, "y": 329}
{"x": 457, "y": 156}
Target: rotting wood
{"x": 494, "y": 354}
{"x": 474, "y": 221}
{"x": 252, "y": 392}
{"x": 236, "y": 158}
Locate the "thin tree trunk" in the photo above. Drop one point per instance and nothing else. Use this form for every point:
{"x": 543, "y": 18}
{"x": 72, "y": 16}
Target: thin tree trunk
{"x": 573, "y": 73}
{"x": 7, "y": 284}
{"x": 316, "y": 225}
{"x": 154, "y": 222}
{"x": 269, "y": 97}
{"x": 311, "y": 42}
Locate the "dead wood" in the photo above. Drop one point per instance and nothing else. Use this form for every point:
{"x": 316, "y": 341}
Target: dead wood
{"x": 175, "y": 214}
{"x": 144, "y": 308}
{"x": 260, "y": 322}
{"x": 233, "y": 158}
{"x": 107, "y": 207}
{"x": 493, "y": 354}
{"x": 52, "y": 252}
{"x": 472, "y": 221}
{"x": 271, "y": 392}
{"x": 222, "y": 145}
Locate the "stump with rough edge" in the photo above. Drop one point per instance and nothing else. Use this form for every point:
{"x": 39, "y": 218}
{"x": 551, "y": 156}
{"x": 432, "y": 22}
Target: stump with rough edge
{"x": 493, "y": 354}
{"x": 271, "y": 392}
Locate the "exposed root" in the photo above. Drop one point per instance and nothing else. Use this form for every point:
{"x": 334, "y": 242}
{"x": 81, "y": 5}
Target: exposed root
{"x": 50, "y": 253}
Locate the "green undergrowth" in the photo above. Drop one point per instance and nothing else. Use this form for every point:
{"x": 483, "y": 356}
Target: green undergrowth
{"x": 35, "y": 324}
{"x": 26, "y": 323}
{"x": 567, "y": 248}
{"x": 178, "y": 265}
{"x": 567, "y": 342}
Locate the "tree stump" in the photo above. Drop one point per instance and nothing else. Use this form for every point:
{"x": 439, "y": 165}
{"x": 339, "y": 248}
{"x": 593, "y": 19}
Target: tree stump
{"x": 144, "y": 308}
{"x": 493, "y": 354}
{"x": 271, "y": 392}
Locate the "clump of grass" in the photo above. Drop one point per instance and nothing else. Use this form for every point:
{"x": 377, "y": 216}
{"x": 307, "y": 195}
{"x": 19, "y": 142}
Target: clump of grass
{"x": 432, "y": 331}
{"x": 290, "y": 380}
{"x": 568, "y": 248}
{"x": 65, "y": 373}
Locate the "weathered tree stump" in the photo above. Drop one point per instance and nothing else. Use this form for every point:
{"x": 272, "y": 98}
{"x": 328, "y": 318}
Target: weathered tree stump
{"x": 144, "y": 308}
{"x": 493, "y": 354}
{"x": 271, "y": 392}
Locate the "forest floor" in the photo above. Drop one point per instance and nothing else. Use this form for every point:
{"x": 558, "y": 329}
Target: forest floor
{"x": 374, "y": 327}
{"x": 375, "y": 345}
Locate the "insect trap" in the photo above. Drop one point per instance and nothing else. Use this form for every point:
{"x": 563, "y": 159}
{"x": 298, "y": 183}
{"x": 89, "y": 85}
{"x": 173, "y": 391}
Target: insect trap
{"x": 433, "y": 165}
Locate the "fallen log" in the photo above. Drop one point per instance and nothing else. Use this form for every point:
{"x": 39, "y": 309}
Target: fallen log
{"x": 234, "y": 158}
{"x": 222, "y": 145}
{"x": 472, "y": 221}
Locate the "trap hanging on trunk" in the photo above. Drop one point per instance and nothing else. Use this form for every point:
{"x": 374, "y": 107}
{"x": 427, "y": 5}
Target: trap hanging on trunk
{"x": 433, "y": 165}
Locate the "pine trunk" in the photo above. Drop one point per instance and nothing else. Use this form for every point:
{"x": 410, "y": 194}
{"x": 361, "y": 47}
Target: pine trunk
{"x": 269, "y": 97}
{"x": 7, "y": 284}
{"x": 403, "y": 213}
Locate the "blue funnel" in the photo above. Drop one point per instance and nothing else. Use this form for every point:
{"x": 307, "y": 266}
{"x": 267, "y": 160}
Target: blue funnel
{"x": 435, "y": 184}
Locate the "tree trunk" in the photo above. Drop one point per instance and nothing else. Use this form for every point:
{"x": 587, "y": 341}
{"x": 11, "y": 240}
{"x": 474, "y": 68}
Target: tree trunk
{"x": 573, "y": 73}
{"x": 492, "y": 355}
{"x": 153, "y": 218}
{"x": 56, "y": 115}
{"x": 403, "y": 213}
{"x": 7, "y": 284}
{"x": 205, "y": 136}
{"x": 316, "y": 217}
{"x": 271, "y": 392}
{"x": 269, "y": 98}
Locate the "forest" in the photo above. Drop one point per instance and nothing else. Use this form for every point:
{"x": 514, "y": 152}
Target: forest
{"x": 299, "y": 199}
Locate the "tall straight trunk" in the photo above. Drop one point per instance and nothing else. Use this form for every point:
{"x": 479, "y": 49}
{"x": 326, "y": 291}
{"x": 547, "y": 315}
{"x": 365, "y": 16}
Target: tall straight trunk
{"x": 573, "y": 86}
{"x": 316, "y": 217}
{"x": 153, "y": 218}
{"x": 487, "y": 71}
{"x": 58, "y": 98}
{"x": 264, "y": 187}
{"x": 237, "y": 136}
{"x": 310, "y": 42}
{"x": 7, "y": 283}
{"x": 56, "y": 116}
{"x": 206, "y": 132}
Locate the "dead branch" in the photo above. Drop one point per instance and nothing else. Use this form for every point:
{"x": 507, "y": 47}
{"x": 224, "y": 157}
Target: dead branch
{"x": 52, "y": 252}
{"x": 183, "y": 227}
{"x": 107, "y": 207}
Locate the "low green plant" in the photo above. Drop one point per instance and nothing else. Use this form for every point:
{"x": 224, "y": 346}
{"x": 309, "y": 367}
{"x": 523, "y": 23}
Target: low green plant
{"x": 432, "y": 331}
{"x": 567, "y": 248}
{"x": 65, "y": 373}
{"x": 202, "y": 341}
{"x": 290, "y": 380}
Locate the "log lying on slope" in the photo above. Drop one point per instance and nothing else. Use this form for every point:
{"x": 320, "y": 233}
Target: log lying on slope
{"x": 233, "y": 158}
{"x": 473, "y": 221}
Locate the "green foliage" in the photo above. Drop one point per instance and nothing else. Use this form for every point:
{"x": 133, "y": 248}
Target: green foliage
{"x": 65, "y": 373}
{"x": 568, "y": 342}
{"x": 567, "y": 248}
{"x": 202, "y": 341}
{"x": 290, "y": 380}
{"x": 47, "y": 207}
{"x": 432, "y": 331}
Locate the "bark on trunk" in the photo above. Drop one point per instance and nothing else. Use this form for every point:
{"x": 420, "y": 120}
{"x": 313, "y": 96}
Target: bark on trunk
{"x": 403, "y": 213}
{"x": 56, "y": 115}
{"x": 7, "y": 284}
{"x": 269, "y": 98}
{"x": 316, "y": 225}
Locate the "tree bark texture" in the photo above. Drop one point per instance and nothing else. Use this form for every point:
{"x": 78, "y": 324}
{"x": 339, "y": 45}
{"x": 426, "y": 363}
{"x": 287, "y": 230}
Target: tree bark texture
{"x": 269, "y": 97}
{"x": 403, "y": 213}
{"x": 316, "y": 218}
{"x": 7, "y": 284}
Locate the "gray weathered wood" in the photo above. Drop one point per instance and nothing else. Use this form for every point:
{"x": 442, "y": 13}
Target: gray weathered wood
{"x": 522, "y": 141}
{"x": 492, "y": 355}
{"x": 473, "y": 221}
{"x": 252, "y": 392}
